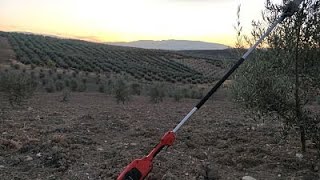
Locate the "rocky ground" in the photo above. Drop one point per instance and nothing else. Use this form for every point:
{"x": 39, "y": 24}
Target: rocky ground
{"x": 93, "y": 137}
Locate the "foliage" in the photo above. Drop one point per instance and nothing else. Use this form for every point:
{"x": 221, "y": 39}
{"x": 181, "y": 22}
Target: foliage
{"x": 82, "y": 87}
{"x": 135, "y": 89}
{"x": 121, "y": 91}
{"x": 59, "y": 85}
{"x": 74, "y": 85}
{"x": 66, "y": 93}
{"x": 16, "y": 87}
{"x": 265, "y": 91}
{"x": 102, "y": 88}
{"x": 281, "y": 79}
{"x": 50, "y": 86}
{"x": 177, "y": 95}
{"x": 157, "y": 93}
{"x": 15, "y": 66}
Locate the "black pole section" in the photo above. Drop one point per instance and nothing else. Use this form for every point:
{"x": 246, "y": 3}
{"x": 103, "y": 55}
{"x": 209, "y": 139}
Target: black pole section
{"x": 224, "y": 78}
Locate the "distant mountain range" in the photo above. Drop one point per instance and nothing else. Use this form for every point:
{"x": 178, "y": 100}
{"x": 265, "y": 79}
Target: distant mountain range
{"x": 175, "y": 45}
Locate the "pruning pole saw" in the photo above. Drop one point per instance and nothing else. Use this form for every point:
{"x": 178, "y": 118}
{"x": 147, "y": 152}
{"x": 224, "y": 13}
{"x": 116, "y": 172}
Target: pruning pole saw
{"x": 140, "y": 168}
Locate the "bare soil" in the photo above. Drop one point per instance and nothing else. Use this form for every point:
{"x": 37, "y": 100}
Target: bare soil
{"x": 93, "y": 137}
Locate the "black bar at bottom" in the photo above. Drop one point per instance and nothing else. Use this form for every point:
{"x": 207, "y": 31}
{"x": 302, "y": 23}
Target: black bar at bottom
{"x": 219, "y": 83}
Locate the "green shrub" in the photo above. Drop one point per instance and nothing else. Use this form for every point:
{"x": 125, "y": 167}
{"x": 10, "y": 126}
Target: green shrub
{"x": 185, "y": 92}
{"x": 82, "y": 87}
{"x": 41, "y": 75}
{"x": 109, "y": 87}
{"x": 84, "y": 81}
{"x": 50, "y": 87}
{"x": 74, "y": 74}
{"x": 177, "y": 95}
{"x": 33, "y": 66}
{"x": 59, "y": 85}
{"x": 65, "y": 95}
{"x": 157, "y": 93}
{"x": 59, "y": 76}
{"x": 32, "y": 75}
{"x": 74, "y": 85}
{"x": 44, "y": 82}
{"x": 15, "y": 66}
{"x": 196, "y": 94}
{"x": 121, "y": 91}
{"x": 102, "y": 88}
{"x": 67, "y": 82}
{"x": 135, "y": 89}
{"x": 16, "y": 87}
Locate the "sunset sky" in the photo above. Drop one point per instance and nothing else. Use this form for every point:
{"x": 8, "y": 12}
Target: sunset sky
{"x": 129, "y": 20}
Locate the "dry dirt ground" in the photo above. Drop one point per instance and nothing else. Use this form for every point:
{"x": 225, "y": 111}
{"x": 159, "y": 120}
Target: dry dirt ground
{"x": 92, "y": 137}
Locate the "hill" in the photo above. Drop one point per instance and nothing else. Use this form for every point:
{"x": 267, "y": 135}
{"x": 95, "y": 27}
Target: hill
{"x": 141, "y": 64}
{"x": 224, "y": 54}
{"x": 175, "y": 45}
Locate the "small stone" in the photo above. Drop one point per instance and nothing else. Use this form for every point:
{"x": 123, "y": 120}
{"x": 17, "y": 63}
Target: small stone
{"x": 248, "y": 178}
{"x": 133, "y": 144}
{"x": 29, "y": 158}
{"x": 4, "y": 133}
{"x": 201, "y": 155}
{"x": 169, "y": 176}
{"x": 279, "y": 175}
{"x": 30, "y": 108}
{"x": 310, "y": 144}
{"x": 38, "y": 117}
{"x": 1, "y": 166}
{"x": 299, "y": 155}
{"x": 316, "y": 168}
{"x": 38, "y": 154}
{"x": 100, "y": 149}
{"x": 211, "y": 172}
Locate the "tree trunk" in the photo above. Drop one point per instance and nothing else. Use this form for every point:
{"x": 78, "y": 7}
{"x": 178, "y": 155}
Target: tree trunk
{"x": 299, "y": 118}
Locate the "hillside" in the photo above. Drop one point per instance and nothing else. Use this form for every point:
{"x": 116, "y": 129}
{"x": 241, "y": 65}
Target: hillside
{"x": 172, "y": 44}
{"x": 141, "y": 64}
{"x": 225, "y": 54}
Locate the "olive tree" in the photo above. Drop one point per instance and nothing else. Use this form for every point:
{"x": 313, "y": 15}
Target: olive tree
{"x": 16, "y": 87}
{"x": 283, "y": 75}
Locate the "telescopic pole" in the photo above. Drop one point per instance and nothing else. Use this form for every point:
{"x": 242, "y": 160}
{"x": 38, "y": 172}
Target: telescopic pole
{"x": 140, "y": 168}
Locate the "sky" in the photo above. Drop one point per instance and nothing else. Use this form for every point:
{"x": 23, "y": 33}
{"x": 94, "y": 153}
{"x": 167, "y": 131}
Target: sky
{"x": 130, "y": 20}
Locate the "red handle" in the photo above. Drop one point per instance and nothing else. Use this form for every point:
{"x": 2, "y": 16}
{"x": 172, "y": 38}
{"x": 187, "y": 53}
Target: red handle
{"x": 140, "y": 168}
